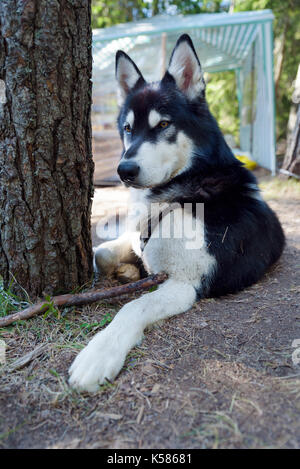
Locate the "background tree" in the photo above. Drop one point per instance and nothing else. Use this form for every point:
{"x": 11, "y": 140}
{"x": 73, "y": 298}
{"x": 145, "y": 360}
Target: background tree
{"x": 291, "y": 162}
{"x": 46, "y": 162}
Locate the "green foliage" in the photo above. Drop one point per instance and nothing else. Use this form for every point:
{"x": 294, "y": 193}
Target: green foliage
{"x": 221, "y": 91}
{"x": 223, "y": 103}
{"x": 49, "y": 304}
{"x": 287, "y": 33}
{"x": 188, "y": 7}
{"x": 108, "y": 13}
{"x": 87, "y": 327}
{"x": 9, "y": 303}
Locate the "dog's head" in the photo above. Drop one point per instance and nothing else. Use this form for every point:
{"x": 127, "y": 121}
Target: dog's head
{"x": 158, "y": 121}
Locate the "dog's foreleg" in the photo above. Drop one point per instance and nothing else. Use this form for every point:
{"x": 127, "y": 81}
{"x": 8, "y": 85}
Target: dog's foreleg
{"x": 110, "y": 254}
{"x": 104, "y": 356}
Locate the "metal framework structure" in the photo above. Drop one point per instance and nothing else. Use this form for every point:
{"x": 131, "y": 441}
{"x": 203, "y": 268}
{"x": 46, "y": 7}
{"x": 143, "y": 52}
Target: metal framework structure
{"x": 242, "y": 42}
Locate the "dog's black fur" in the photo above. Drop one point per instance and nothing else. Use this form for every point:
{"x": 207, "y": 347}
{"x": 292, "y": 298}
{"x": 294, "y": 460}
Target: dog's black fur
{"x": 241, "y": 231}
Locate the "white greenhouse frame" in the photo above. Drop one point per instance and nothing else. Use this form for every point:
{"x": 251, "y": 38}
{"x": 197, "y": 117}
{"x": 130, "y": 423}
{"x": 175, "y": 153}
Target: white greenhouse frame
{"x": 242, "y": 42}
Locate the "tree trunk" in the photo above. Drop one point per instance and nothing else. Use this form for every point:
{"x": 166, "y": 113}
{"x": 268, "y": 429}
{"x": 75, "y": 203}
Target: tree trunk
{"x": 280, "y": 56}
{"x": 291, "y": 163}
{"x": 46, "y": 165}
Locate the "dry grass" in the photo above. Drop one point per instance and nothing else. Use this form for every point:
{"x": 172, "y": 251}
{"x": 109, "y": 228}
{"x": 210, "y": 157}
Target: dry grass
{"x": 276, "y": 188}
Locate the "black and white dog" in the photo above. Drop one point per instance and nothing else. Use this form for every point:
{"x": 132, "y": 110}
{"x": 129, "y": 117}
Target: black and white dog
{"x": 175, "y": 156}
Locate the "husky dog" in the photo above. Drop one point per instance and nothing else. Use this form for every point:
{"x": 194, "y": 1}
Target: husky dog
{"x": 174, "y": 153}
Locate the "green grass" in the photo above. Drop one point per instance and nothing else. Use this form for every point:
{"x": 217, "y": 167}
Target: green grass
{"x": 9, "y": 303}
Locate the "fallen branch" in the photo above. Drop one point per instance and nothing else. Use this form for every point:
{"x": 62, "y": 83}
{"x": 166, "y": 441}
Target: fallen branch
{"x": 79, "y": 299}
{"x": 26, "y": 359}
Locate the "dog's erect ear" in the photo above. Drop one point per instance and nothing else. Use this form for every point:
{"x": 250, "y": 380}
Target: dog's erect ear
{"x": 127, "y": 75}
{"x": 185, "y": 68}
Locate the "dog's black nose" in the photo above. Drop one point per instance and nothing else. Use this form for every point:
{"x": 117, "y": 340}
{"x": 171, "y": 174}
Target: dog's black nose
{"x": 128, "y": 171}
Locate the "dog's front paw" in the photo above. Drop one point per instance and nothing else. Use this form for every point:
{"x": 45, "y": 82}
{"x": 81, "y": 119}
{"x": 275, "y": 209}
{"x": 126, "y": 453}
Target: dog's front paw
{"x": 126, "y": 273}
{"x": 100, "y": 360}
{"x": 106, "y": 259}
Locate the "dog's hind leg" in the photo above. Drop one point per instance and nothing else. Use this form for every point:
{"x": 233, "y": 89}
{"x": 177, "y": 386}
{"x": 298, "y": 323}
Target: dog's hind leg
{"x": 104, "y": 356}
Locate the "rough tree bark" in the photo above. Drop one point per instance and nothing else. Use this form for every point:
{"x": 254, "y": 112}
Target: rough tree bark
{"x": 46, "y": 165}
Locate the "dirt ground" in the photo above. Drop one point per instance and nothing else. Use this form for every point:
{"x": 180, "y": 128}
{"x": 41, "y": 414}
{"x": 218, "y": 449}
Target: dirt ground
{"x": 218, "y": 376}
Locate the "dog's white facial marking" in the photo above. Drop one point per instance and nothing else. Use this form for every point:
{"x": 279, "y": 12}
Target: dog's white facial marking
{"x": 184, "y": 153}
{"x": 126, "y": 142}
{"x": 186, "y": 70}
{"x": 130, "y": 118}
{"x": 155, "y": 118}
{"x": 159, "y": 162}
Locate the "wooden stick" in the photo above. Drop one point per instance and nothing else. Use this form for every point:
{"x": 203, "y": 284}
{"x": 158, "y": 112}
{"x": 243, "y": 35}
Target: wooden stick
{"x": 23, "y": 361}
{"x": 84, "y": 298}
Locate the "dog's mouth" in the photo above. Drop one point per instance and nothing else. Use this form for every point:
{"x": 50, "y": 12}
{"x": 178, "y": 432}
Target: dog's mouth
{"x": 132, "y": 184}
{"x": 136, "y": 185}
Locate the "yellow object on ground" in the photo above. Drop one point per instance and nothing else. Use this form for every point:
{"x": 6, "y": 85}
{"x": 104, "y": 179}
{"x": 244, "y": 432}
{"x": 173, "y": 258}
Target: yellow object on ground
{"x": 250, "y": 164}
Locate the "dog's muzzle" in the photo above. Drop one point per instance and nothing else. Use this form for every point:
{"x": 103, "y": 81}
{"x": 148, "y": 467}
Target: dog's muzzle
{"x": 128, "y": 171}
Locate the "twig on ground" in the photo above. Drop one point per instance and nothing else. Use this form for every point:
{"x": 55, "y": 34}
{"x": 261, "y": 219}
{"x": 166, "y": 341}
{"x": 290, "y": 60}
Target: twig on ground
{"x": 23, "y": 361}
{"x": 297, "y": 375}
{"x": 79, "y": 299}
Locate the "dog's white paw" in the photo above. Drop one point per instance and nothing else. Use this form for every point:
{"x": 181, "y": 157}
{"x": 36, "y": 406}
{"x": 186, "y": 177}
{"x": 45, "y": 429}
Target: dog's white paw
{"x": 100, "y": 360}
{"x": 106, "y": 259}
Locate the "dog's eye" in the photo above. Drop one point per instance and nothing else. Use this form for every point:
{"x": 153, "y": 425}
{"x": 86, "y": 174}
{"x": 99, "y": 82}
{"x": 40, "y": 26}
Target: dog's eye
{"x": 127, "y": 128}
{"x": 164, "y": 124}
